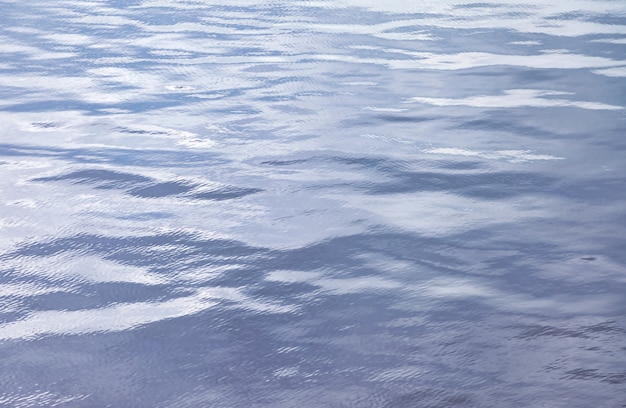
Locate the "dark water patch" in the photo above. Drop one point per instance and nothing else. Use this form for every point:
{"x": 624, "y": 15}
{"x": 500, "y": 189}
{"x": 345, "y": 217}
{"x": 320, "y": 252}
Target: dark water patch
{"x": 227, "y": 193}
{"x": 551, "y": 331}
{"x": 162, "y": 189}
{"x": 478, "y": 5}
{"x": 433, "y": 398}
{"x": 138, "y": 131}
{"x": 104, "y": 179}
{"x": 146, "y": 216}
{"x": 595, "y": 374}
{"x": 111, "y": 293}
{"x": 366, "y": 120}
{"x": 495, "y": 121}
{"x": 282, "y": 290}
{"x": 605, "y": 328}
{"x": 365, "y": 162}
{"x": 403, "y": 118}
{"x": 535, "y": 76}
{"x": 241, "y": 110}
{"x": 284, "y": 162}
{"x": 330, "y": 160}
{"x": 98, "y": 295}
{"x": 147, "y": 187}
{"x": 461, "y": 165}
{"x": 45, "y": 125}
{"x": 71, "y": 301}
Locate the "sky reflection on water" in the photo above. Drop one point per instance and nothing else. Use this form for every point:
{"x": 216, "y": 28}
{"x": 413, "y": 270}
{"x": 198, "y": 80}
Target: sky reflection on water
{"x": 312, "y": 203}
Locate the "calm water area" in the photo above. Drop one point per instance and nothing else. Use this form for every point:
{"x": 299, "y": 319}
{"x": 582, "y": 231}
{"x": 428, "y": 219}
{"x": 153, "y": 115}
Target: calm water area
{"x": 313, "y": 203}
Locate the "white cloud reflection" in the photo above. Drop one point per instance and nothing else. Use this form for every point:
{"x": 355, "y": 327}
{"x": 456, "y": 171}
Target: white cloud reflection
{"x": 125, "y": 316}
{"x": 467, "y": 60}
{"x": 530, "y": 16}
{"x": 80, "y": 268}
{"x": 612, "y": 72}
{"x": 513, "y": 156}
{"x": 513, "y": 98}
{"x": 114, "y": 318}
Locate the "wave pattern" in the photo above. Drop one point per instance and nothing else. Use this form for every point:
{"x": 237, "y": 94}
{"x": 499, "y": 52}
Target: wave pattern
{"x": 318, "y": 203}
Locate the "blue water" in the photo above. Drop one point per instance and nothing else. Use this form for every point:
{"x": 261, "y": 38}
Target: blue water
{"x": 299, "y": 203}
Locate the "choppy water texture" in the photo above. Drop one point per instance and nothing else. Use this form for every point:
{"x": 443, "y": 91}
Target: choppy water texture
{"x": 313, "y": 203}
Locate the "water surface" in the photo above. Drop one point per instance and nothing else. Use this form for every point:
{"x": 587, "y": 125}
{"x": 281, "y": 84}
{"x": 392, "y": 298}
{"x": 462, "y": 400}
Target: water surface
{"x": 313, "y": 203}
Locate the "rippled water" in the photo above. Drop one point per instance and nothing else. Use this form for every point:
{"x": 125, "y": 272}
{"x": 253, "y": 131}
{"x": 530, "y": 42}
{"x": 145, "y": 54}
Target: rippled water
{"x": 323, "y": 203}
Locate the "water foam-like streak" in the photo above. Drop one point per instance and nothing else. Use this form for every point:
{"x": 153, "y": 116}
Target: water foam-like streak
{"x": 514, "y": 156}
{"x": 513, "y": 98}
{"x": 115, "y": 318}
{"x": 127, "y": 316}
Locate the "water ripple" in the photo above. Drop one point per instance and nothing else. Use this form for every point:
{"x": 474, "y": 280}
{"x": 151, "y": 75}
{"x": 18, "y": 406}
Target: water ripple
{"x": 317, "y": 203}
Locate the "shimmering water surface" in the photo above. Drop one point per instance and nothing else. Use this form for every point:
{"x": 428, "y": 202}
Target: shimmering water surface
{"x": 333, "y": 203}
